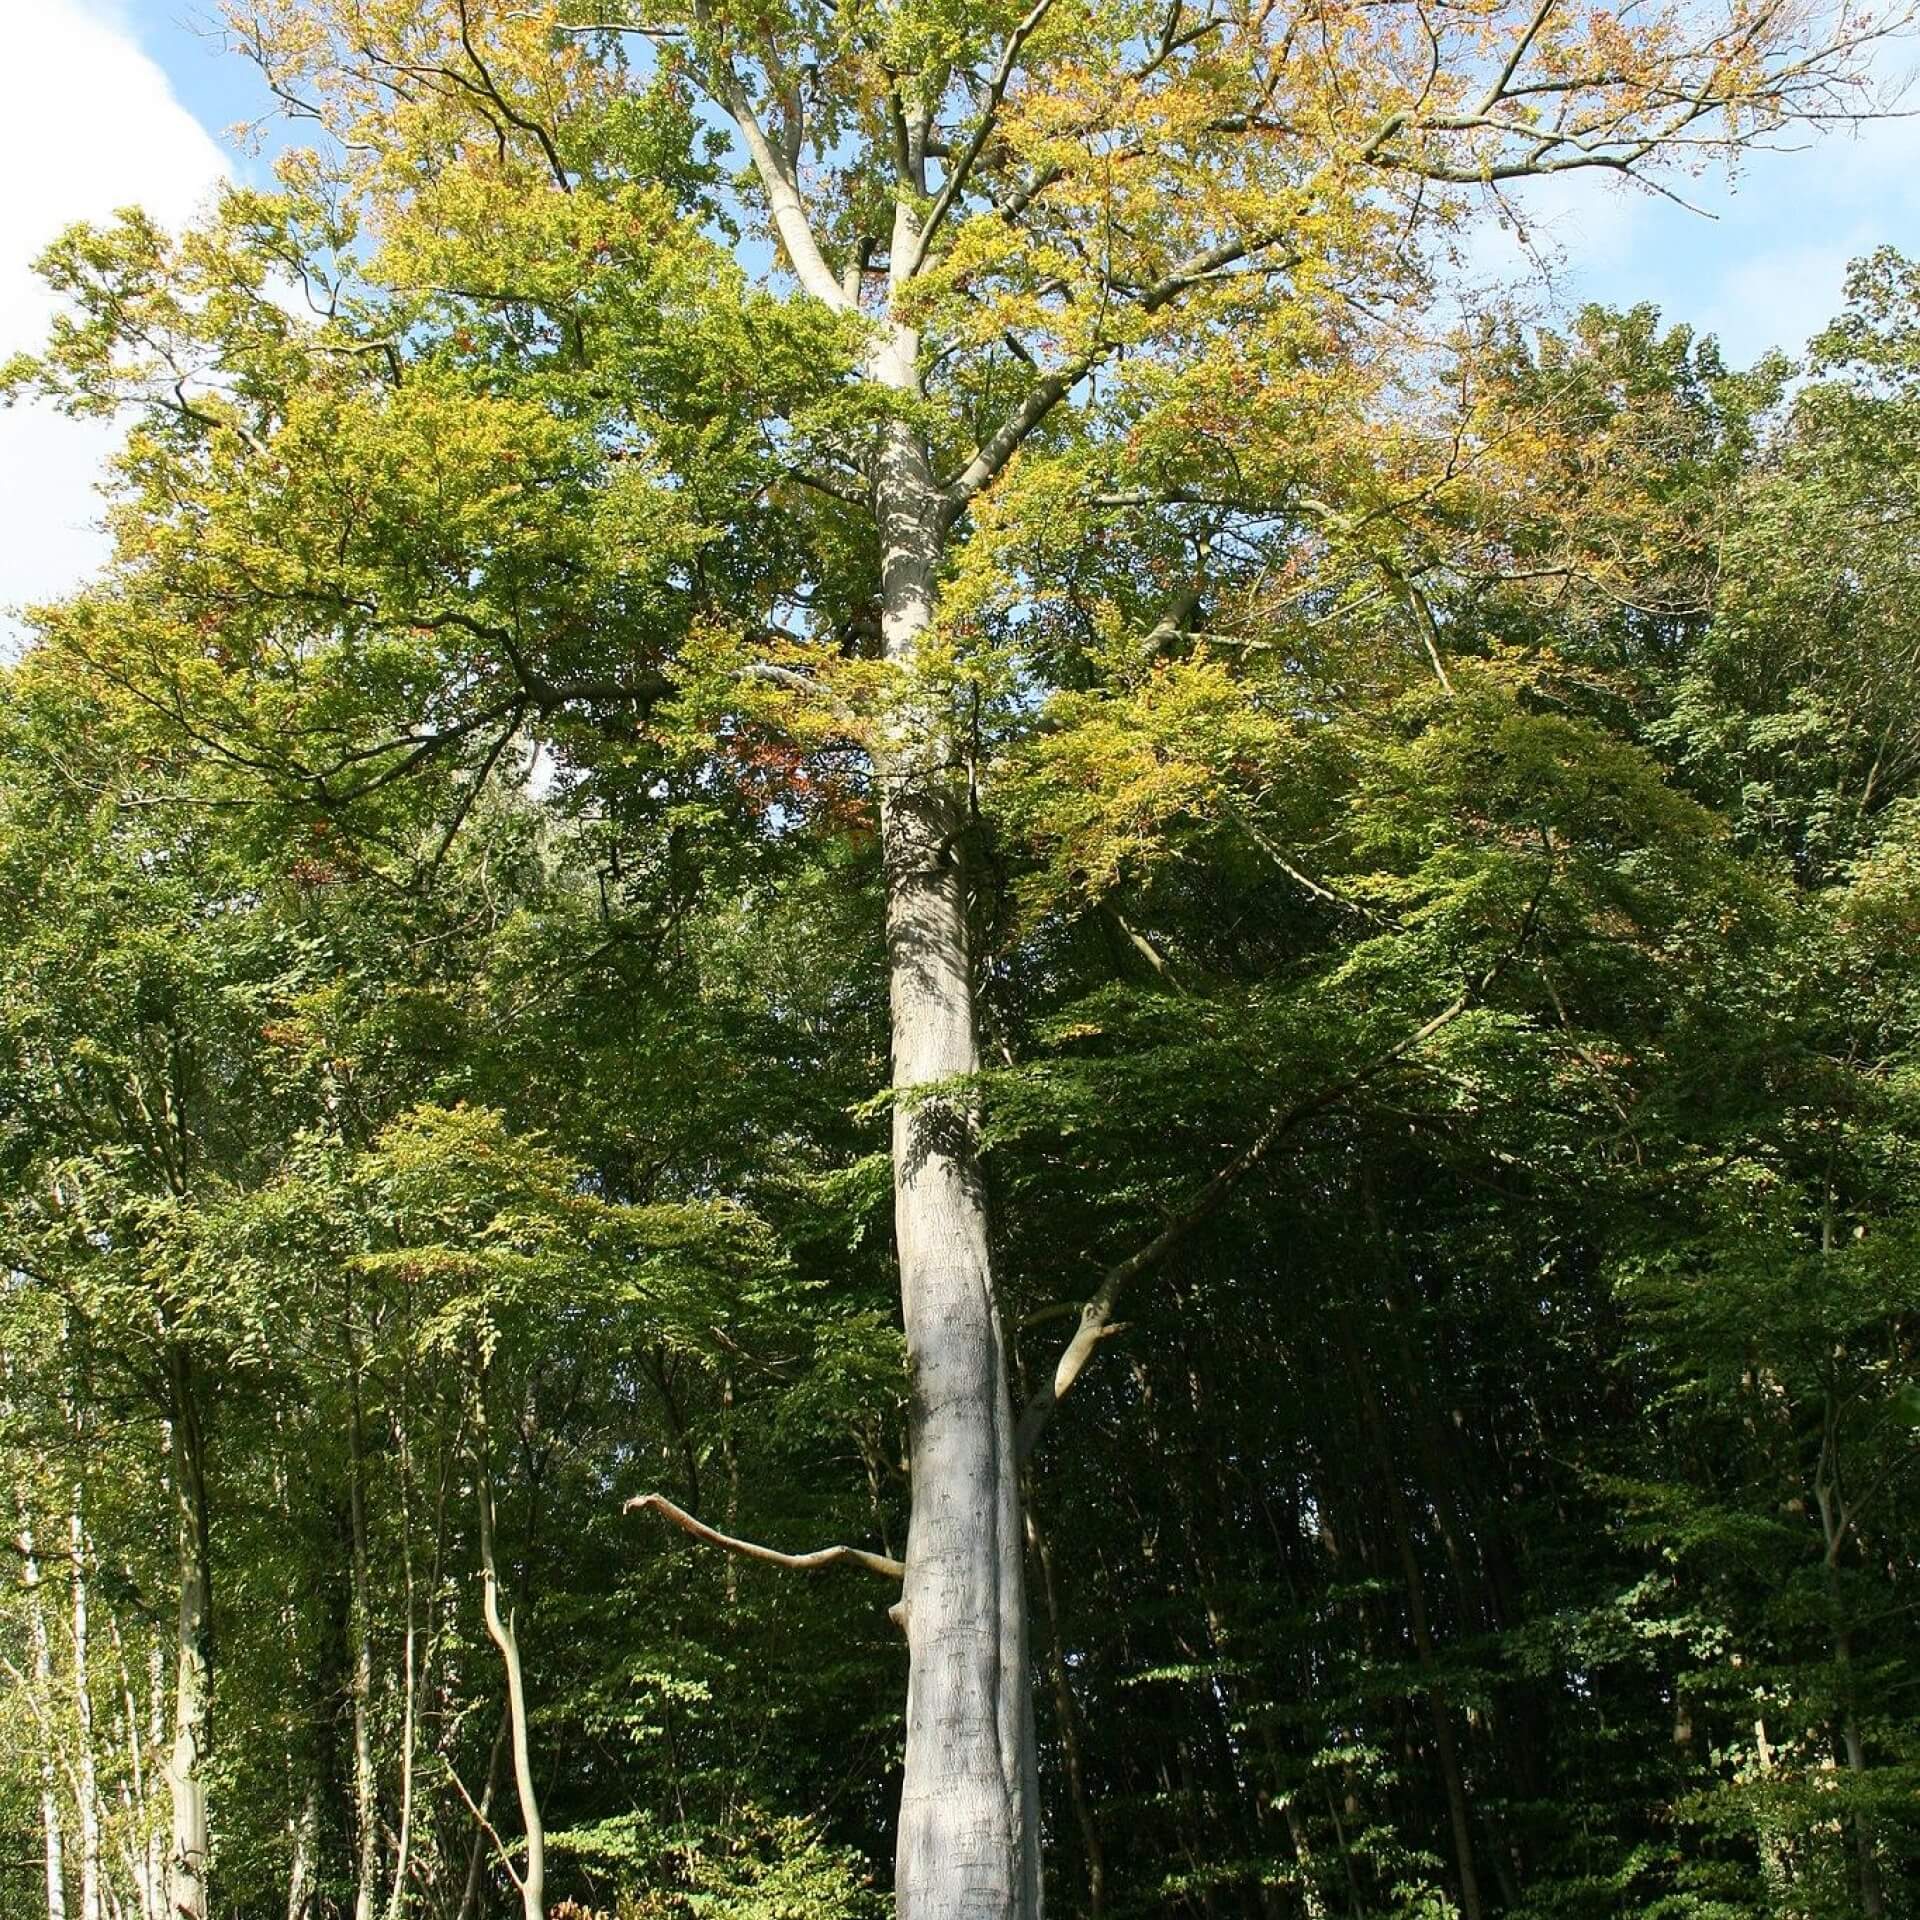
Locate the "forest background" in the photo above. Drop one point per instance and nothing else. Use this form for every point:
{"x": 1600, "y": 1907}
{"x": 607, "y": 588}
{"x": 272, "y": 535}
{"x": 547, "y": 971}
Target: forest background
{"x": 813, "y": 730}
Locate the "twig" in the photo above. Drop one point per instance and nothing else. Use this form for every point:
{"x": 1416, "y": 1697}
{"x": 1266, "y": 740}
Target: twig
{"x": 486, "y": 1825}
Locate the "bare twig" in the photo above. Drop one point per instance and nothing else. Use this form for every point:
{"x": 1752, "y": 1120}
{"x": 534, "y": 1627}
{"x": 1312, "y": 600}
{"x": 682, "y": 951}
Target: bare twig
{"x": 486, "y": 1826}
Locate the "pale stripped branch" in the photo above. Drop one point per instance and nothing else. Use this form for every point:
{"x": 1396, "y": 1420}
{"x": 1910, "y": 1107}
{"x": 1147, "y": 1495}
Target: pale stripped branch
{"x": 887, "y": 1569}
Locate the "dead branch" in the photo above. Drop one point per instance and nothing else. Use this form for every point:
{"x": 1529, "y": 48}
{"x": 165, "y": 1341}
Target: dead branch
{"x": 1096, "y": 1317}
{"x": 879, "y": 1563}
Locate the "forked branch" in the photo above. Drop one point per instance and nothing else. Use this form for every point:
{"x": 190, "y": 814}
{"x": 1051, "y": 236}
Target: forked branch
{"x": 779, "y": 177}
{"x": 878, "y": 1563}
{"x": 961, "y": 169}
{"x": 1047, "y": 392}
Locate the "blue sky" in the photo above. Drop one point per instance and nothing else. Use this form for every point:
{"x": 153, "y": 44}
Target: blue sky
{"x": 103, "y": 102}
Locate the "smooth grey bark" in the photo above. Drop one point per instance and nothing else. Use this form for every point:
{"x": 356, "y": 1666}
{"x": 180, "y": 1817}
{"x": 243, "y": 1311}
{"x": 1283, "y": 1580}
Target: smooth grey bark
{"x": 139, "y": 1862}
{"x": 193, "y": 1655}
{"x": 501, "y": 1630}
{"x": 969, "y": 1811}
{"x": 410, "y": 1664}
{"x": 968, "y": 1846}
{"x": 157, "y": 1836}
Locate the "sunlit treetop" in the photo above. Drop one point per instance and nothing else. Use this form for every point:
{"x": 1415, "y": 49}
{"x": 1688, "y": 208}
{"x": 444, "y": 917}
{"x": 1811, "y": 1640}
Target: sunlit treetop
{"x": 550, "y": 383}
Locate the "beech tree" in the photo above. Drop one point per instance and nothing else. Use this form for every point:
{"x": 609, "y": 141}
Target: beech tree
{"x": 780, "y": 411}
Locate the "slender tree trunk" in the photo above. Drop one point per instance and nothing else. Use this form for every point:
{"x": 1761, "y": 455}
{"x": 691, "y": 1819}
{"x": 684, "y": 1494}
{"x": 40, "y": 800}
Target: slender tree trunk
{"x": 157, "y": 1838}
{"x": 730, "y": 1462}
{"x": 135, "y": 1849}
{"x": 969, "y": 1826}
{"x": 1312, "y": 1901}
{"x": 303, "y": 1853}
{"x": 193, "y": 1655}
{"x": 50, "y": 1825}
{"x": 366, "y": 1814}
{"x": 1873, "y": 1899}
{"x": 410, "y": 1676}
{"x": 1067, "y": 1714}
{"x": 86, "y": 1773}
{"x": 477, "y": 1849}
{"x": 1776, "y": 1860}
{"x": 303, "y": 1771}
{"x": 500, "y": 1629}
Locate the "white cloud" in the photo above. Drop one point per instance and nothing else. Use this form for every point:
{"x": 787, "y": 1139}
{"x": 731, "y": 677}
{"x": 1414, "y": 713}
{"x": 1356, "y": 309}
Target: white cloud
{"x": 88, "y": 124}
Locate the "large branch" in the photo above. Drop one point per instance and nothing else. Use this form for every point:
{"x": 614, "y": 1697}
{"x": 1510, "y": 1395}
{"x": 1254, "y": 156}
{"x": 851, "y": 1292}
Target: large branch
{"x": 1096, "y": 1317}
{"x": 962, "y": 168}
{"x": 777, "y": 180}
{"x": 751, "y": 1550}
{"x": 1617, "y": 138}
{"x": 783, "y": 198}
{"x": 1610, "y": 118}
{"x": 508, "y": 111}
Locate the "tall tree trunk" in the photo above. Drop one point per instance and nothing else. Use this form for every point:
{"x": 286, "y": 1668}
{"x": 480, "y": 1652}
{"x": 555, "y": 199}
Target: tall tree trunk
{"x": 1873, "y": 1899}
{"x": 969, "y": 1826}
{"x": 366, "y": 1814}
{"x": 730, "y": 1463}
{"x": 50, "y": 1824}
{"x": 303, "y": 1769}
{"x": 193, "y": 1653}
{"x": 86, "y": 1772}
{"x": 500, "y": 1629}
{"x": 1067, "y": 1716}
{"x": 410, "y": 1664}
{"x": 158, "y": 1836}
{"x": 136, "y": 1848}
{"x": 477, "y": 1844}
{"x": 303, "y": 1865}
